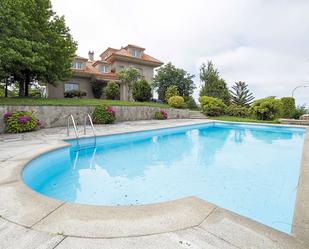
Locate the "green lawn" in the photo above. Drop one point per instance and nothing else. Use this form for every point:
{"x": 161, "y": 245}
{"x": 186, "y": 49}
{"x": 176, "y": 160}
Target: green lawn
{"x": 250, "y": 120}
{"x": 74, "y": 102}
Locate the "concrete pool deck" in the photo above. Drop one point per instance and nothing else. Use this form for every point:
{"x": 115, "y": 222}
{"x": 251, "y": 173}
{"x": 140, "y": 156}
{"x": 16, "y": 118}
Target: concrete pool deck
{"x": 31, "y": 220}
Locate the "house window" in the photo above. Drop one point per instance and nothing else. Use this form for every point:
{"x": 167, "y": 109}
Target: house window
{"x": 104, "y": 69}
{"x": 137, "y": 53}
{"x": 71, "y": 86}
{"x": 77, "y": 65}
{"x": 121, "y": 68}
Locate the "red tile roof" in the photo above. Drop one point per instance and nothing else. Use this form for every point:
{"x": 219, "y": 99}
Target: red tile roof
{"x": 100, "y": 62}
{"x": 124, "y": 52}
{"x": 90, "y": 70}
{"x": 115, "y": 54}
{"x": 134, "y": 46}
{"x": 109, "y": 48}
{"x": 145, "y": 57}
{"x": 80, "y": 58}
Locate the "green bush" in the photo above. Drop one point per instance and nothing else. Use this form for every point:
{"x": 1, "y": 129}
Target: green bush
{"x": 299, "y": 111}
{"x": 267, "y": 108}
{"x": 176, "y": 101}
{"x": 141, "y": 91}
{"x": 212, "y": 106}
{"x": 112, "y": 91}
{"x": 190, "y": 103}
{"x": 171, "y": 91}
{"x": 237, "y": 111}
{"x": 74, "y": 94}
{"x": 103, "y": 115}
{"x": 288, "y": 106}
{"x": 97, "y": 88}
{"x": 161, "y": 115}
{"x": 21, "y": 121}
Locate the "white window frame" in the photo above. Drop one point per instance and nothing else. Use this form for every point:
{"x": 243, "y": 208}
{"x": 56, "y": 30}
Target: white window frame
{"x": 77, "y": 65}
{"x": 104, "y": 69}
{"x": 137, "y": 53}
{"x": 69, "y": 86}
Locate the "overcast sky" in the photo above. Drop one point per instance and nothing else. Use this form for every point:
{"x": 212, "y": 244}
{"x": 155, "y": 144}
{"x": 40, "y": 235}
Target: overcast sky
{"x": 262, "y": 42}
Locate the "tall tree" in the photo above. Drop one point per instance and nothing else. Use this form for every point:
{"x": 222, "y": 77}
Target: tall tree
{"x": 213, "y": 84}
{"x": 35, "y": 44}
{"x": 240, "y": 94}
{"x": 169, "y": 75}
{"x": 129, "y": 77}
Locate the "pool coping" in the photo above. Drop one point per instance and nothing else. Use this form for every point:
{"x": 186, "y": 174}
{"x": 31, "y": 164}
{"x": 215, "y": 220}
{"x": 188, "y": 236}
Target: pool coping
{"x": 25, "y": 207}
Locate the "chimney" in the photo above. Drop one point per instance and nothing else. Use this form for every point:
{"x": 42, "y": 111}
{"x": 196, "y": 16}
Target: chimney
{"x": 91, "y": 55}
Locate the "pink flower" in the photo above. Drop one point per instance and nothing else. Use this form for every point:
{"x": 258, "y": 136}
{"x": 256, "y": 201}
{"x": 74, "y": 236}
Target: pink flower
{"x": 110, "y": 109}
{"x": 22, "y": 119}
{"x": 164, "y": 114}
{"x": 7, "y": 115}
{"x": 39, "y": 124}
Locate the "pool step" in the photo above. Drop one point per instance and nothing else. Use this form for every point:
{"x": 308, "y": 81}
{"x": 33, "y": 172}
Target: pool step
{"x": 196, "y": 115}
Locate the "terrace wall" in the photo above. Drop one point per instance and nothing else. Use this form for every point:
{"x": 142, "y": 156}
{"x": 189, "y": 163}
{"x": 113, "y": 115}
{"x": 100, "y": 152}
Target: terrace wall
{"x": 55, "y": 116}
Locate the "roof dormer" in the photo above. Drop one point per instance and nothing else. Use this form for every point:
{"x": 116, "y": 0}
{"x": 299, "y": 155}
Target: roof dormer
{"x": 79, "y": 63}
{"x": 102, "y": 66}
{"x": 107, "y": 53}
{"x": 135, "y": 51}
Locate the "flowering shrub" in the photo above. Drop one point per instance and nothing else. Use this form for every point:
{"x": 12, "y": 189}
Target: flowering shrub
{"x": 110, "y": 109}
{"x": 161, "y": 115}
{"x": 7, "y": 115}
{"x": 104, "y": 115}
{"x": 21, "y": 121}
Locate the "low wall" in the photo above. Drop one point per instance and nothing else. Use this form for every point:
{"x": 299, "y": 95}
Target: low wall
{"x": 53, "y": 116}
{"x": 294, "y": 121}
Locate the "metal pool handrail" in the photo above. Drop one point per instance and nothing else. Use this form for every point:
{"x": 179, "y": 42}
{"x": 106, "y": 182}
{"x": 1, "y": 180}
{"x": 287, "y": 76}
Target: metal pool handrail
{"x": 87, "y": 116}
{"x": 70, "y": 117}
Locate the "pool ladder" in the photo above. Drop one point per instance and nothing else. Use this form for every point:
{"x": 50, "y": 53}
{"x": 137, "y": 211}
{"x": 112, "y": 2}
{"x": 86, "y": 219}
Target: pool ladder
{"x": 86, "y": 117}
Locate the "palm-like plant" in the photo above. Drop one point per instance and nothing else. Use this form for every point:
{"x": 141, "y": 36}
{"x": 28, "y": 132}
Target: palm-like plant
{"x": 129, "y": 77}
{"x": 240, "y": 94}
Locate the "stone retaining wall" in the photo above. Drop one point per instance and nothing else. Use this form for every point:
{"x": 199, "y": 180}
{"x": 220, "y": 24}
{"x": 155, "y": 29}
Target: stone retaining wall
{"x": 53, "y": 116}
{"x": 304, "y": 117}
{"x": 294, "y": 121}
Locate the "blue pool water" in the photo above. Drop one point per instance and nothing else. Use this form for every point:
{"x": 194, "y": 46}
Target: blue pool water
{"x": 252, "y": 170}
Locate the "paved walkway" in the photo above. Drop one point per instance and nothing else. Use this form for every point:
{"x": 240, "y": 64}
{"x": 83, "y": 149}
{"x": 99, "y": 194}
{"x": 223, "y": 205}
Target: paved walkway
{"x": 27, "y": 219}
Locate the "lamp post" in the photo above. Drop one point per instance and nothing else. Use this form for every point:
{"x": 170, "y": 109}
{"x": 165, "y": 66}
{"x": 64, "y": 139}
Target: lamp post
{"x": 296, "y": 89}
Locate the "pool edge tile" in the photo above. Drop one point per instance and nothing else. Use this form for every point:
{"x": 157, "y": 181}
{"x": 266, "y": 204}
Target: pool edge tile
{"x": 24, "y": 206}
{"x": 246, "y": 233}
{"x": 300, "y": 227}
{"x": 125, "y": 221}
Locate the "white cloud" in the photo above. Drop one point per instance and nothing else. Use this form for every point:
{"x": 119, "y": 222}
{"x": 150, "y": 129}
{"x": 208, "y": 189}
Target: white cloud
{"x": 262, "y": 42}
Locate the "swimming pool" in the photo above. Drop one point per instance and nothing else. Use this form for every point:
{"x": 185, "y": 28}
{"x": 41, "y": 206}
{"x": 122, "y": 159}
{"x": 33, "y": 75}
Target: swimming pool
{"x": 252, "y": 170}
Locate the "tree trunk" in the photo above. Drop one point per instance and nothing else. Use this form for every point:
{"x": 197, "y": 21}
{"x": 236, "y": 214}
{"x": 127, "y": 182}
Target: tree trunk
{"x": 27, "y": 84}
{"x": 21, "y": 88}
{"x": 6, "y": 88}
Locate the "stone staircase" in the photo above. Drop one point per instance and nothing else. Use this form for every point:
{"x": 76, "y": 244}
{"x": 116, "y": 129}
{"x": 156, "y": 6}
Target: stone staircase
{"x": 196, "y": 115}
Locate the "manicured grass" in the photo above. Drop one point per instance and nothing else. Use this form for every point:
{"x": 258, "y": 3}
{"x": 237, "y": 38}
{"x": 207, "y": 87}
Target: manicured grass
{"x": 236, "y": 119}
{"x": 74, "y": 102}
